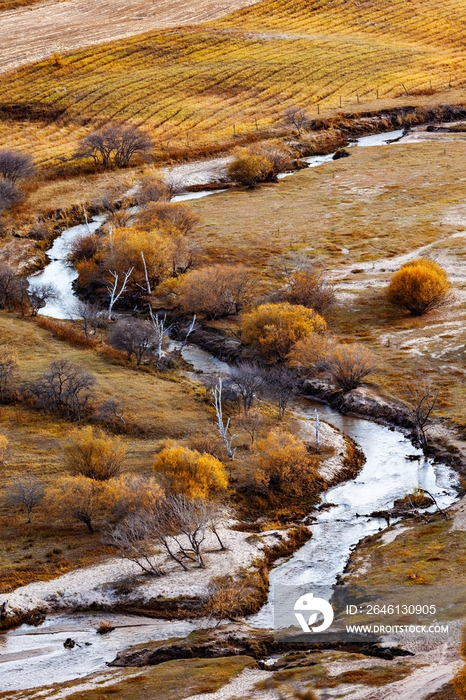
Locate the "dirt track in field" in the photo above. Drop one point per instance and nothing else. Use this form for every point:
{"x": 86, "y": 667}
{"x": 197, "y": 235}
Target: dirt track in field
{"x": 34, "y": 32}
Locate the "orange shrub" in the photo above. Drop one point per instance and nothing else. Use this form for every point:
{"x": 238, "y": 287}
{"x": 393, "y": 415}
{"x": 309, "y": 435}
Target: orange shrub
{"x": 285, "y": 466}
{"x": 418, "y": 287}
{"x": 273, "y": 329}
{"x": 189, "y": 472}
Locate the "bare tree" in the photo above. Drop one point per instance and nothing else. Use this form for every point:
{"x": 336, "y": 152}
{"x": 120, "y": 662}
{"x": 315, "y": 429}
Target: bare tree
{"x": 133, "y": 539}
{"x": 190, "y": 329}
{"x": 9, "y": 194}
{"x": 8, "y": 371}
{"x": 40, "y": 294}
{"x": 110, "y": 412}
{"x": 223, "y": 427}
{"x": 161, "y": 331}
{"x": 422, "y": 397}
{"x": 246, "y": 380}
{"x": 15, "y": 165}
{"x": 114, "y": 145}
{"x": 89, "y": 316}
{"x": 138, "y": 338}
{"x": 26, "y": 491}
{"x": 191, "y": 519}
{"x": 13, "y": 289}
{"x": 66, "y": 389}
{"x": 282, "y": 385}
{"x": 298, "y": 118}
{"x": 251, "y": 423}
{"x": 117, "y": 288}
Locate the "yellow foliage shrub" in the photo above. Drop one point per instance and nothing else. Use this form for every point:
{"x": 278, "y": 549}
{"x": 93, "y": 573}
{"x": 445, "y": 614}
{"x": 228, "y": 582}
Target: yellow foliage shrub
{"x": 189, "y": 472}
{"x": 136, "y": 493}
{"x": 81, "y": 499}
{"x": 273, "y": 329}
{"x": 92, "y": 453}
{"x": 419, "y": 286}
{"x": 4, "y": 442}
{"x": 285, "y": 465}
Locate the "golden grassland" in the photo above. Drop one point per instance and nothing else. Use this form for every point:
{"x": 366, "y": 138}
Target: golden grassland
{"x": 158, "y": 408}
{"x": 424, "y": 553}
{"x": 233, "y": 76}
{"x": 172, "y": 680}
{"x": 356, "y": 215}
{"x": 155, "y": 407}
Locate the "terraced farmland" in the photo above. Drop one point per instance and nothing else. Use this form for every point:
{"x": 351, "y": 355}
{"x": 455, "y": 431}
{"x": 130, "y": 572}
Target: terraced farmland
{"x": 204, "y": 84}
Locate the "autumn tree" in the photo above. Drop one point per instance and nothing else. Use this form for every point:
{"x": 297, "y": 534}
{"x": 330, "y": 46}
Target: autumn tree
{"x": 189, "y": 472}
{"x": 285, "y": 466}
{"x": 147, "y": 254}
{"x": 418, "y": 287}
{"x": 311, "y": 355}
{"x": 92, "y": 453}
{"x": 115, "y": 145}
{"x": 151, "y": 190}
{"x": 66, "y": 388}
{"x": 273, "y": 329}
{"x": 25, "y": 491}
{"x": 81, "y": 499}
{"x": 137, "y": 494}
{"x": 4, "y": 447}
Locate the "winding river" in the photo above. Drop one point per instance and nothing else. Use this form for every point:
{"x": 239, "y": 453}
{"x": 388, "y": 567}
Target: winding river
{"x": 31, "y": 657}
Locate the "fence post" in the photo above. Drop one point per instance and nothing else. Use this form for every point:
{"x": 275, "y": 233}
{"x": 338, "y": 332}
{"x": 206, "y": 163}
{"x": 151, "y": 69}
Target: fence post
{"x": 318, "y": 108}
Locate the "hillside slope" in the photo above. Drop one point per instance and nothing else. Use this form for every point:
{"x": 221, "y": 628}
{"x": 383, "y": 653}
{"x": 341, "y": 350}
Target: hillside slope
{"x": 198, "y": 85}
{"x": 63, "y": 25}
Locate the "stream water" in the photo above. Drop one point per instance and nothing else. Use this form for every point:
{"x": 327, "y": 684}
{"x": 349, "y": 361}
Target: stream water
{"x": 61, "y": 274}
{"x": 31, "y": 657}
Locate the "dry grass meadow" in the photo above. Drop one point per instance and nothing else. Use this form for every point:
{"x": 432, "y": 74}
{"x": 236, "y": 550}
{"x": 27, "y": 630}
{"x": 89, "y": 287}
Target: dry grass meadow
{"x": 200, "y": 86}
{"x": 362, "y": 217}
{"x": 158, "y": 408}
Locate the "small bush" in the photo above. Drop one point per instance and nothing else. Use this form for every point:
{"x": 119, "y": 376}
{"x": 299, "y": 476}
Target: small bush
{"x": 418, "y": 287}
{"x": 90, "y": 452}
{"x": 189, "y": 472}
{"x": 250, "y": 169}
{"x": 214, "y": 291}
